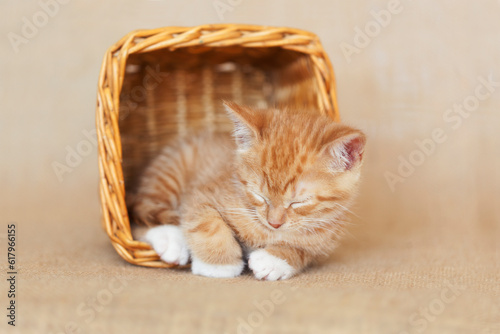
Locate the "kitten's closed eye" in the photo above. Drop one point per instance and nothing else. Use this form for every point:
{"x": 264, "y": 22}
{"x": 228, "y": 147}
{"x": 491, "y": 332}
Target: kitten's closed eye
{"x": 299, "y": 203}
{"x": 261, "y": 199}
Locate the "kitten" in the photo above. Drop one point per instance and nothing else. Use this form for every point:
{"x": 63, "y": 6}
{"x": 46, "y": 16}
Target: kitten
{"x": 278, "y": 193}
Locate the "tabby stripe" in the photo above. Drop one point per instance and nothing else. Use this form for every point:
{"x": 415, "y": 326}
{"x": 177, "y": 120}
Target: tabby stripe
{"x": 169, "y": 188}
{"x": 289, "y": 182}
{"x": 158, "y": 172}
{"x": 327, "y": 198}
{"x": 327, "y": 210}
{"x": 155, "y": 197}
{"x": 265, "y": 179}
{"x": 173, "y": 178}
{"x": 263, "y": 157}
{"x": 165, "y": 191}
{"x": 184, "y": 165}
{"x": 164, "y": 158}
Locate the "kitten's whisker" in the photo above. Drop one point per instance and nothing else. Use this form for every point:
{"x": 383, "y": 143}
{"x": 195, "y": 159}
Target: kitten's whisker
{"x": 346, "y": 209}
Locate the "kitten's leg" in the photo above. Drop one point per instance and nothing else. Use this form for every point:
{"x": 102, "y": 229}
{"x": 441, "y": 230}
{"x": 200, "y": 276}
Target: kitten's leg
{"x": 215, "y": 251}
{"x": 277, "y": 262}
{"x": 169, "y": 243}
{"x": 160, "y": 189}
{"x": 150, "y": 211}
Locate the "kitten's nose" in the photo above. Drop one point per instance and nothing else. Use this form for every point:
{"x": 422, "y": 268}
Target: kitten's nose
{"x": 276, "y": 216}
{"x": 275, "y": 223}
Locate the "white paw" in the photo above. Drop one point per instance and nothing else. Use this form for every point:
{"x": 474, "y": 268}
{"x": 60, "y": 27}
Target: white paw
{"x": 169, "y": 243}
{"x": 269, "y": 267}
{"x": 199, "y": 267}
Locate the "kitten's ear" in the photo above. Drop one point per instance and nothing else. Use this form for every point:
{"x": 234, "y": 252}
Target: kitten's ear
{"x": 247, "y": 124}
{"x": 346, "y": 152}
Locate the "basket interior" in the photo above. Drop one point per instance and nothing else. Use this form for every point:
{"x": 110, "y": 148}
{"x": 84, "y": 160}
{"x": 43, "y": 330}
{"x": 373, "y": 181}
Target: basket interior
{"x": 170, "y": 93}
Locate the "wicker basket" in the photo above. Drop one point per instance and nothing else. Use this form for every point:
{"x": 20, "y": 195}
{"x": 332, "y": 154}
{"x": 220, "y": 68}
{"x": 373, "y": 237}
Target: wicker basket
{"x": 160, "y": 83}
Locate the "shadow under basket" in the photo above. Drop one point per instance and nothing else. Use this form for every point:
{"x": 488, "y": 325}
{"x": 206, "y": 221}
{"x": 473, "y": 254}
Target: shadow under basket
{"x": 159, "y": 84}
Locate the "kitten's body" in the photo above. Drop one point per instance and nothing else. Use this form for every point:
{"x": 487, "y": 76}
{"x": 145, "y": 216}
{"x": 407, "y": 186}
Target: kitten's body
{"x": 279, "y": 193}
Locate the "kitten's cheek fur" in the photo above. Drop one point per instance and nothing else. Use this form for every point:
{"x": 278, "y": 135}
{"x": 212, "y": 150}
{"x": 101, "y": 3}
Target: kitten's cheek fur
{"x": 169, "y": 243}
{"x": 199, "y": 267}
{"x": 269, "y": 267}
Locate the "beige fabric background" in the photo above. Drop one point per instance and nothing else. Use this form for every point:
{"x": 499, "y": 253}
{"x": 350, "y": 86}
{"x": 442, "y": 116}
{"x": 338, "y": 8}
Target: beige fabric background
{"x": 438, "y": 228}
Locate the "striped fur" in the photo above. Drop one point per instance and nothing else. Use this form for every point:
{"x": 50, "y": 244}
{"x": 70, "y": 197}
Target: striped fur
{"x": 283, "y": 184}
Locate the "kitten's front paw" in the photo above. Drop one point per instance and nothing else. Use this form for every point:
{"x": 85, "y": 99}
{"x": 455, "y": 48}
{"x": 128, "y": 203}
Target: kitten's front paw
{"x": 169, "y": 243}
{"x": 269, "y": 267}
{"x": 199, "y": 267}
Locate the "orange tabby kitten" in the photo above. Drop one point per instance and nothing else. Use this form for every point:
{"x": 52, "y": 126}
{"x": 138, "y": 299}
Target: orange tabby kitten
{"x": 276, "y": 194}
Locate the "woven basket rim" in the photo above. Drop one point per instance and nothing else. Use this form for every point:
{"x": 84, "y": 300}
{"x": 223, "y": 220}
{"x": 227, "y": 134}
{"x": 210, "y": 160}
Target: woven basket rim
{"x": 111, "y": 186}
{"x": 208, "y": 27}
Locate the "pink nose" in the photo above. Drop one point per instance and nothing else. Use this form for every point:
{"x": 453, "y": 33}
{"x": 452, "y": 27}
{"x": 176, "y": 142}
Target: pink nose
{"x": 275, "y": 224}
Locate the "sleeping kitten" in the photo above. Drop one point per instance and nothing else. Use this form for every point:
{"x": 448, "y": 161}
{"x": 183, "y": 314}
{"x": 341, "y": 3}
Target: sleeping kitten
{"x": 277, "y": 194}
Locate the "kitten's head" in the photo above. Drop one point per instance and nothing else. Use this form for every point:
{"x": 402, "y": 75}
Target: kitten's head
{"x": 299, "y": 169}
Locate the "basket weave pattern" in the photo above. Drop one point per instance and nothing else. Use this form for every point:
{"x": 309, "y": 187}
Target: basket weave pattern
{"x": 161, "y": 83}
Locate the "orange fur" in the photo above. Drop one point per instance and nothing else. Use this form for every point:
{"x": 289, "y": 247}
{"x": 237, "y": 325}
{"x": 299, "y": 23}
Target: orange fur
{"x": 283, "y": 184}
